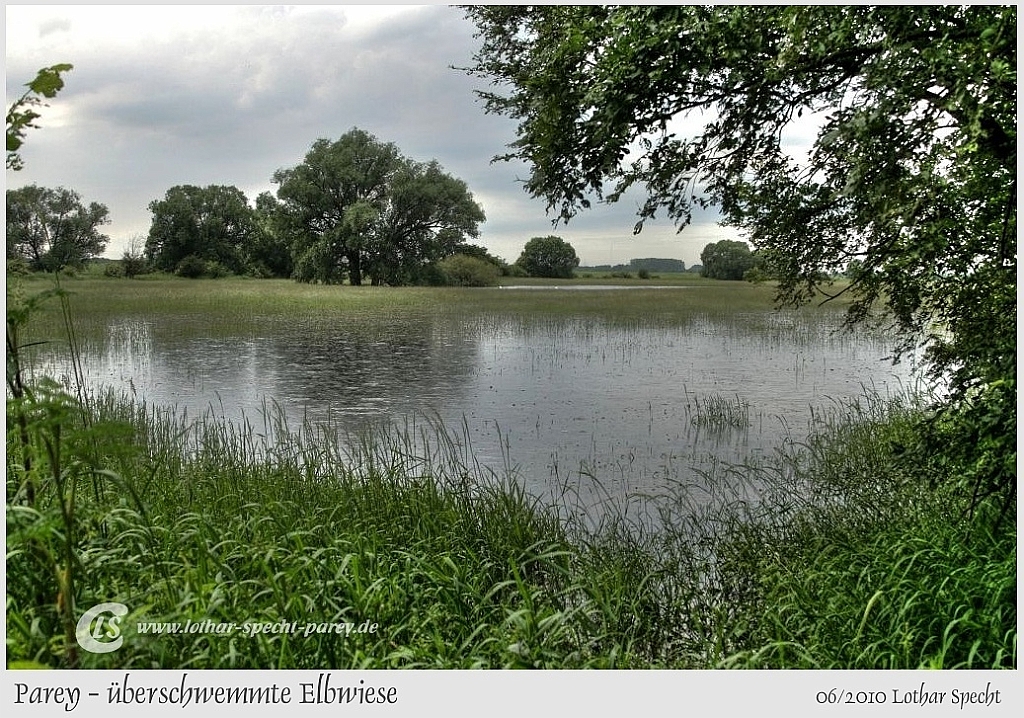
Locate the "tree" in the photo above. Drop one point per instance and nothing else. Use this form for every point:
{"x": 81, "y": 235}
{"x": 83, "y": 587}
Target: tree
{"x": 269, "y": 254}
{"x": 329, "y": 202}
{"x": 358, "y": 206}
{"x": 214, "y": 224}
{"x": 133, "y": 259}
{"x": 426, "y": 215}
{"x": 548, "y": 257}
{"x": 912, "y": 171}
{"x": 21, "y": 115}
{"x": 727, "y": 259}
{"x": 51, "y": 229}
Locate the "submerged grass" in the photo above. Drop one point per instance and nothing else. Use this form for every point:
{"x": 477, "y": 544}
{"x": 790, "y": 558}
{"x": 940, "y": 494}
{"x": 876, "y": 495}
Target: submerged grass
{"x": 240, "y": 307}
{"x": 718, "y": 412}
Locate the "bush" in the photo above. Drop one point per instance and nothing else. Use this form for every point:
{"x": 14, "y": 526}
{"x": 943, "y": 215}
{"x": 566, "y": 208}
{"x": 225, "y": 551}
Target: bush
{"x": 113, "y": 269}
{"x": 133, "y": 265}
{"x": 644, "y": 273}
{"x": 756, "y": 275}
{"x": 191, "y": 267}
{"x": 18, "y": 267}
{"x": 216, "y": 270}
{"x": 194, "y": 267}
{"x": 258, "y": 270}
{"x": 463, "y": 271}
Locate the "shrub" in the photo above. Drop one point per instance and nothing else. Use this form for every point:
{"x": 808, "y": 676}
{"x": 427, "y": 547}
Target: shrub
{"x": 18, "y": 267}
{"x": 113, "y": 269}
{"x": 216, "y": 270}
{"x": 191, "y": 267}
{"x": 464, "y": 271}
{"x": 133, "y": 264}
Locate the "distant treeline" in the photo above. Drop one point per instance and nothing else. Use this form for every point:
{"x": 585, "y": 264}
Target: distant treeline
{"x": 651, "y": 264}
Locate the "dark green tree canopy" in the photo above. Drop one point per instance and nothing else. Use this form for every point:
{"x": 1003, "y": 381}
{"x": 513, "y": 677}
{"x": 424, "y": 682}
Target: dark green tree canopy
{"x": 549, "y": 256}
{"x": 212, "y": 224}
{"x": 726, "y": 259}
{"x": 269, "y": 254}
{"x": 357, "y": 206}
{"x": 912, "y": 171}
{"x": 52, "y": 229}
{"x": 426, "y": 215}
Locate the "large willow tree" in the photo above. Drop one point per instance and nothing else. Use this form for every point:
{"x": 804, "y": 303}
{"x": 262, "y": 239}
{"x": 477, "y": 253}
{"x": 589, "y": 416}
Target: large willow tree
{"x": 912, "y": 173}
{"x": 357, "y": 205}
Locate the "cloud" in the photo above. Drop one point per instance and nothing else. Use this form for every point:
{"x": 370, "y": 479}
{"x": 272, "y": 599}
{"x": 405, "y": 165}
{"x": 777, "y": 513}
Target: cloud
{"x": 227, "y": 95}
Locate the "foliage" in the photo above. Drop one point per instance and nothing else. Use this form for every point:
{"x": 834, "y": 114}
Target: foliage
{"x": 213, "y": 223}
{"x": 194, "y": 267}
{"x": 22, "y": 114}
{"x": 548, "y": 256}
{"x": 17, "y": 267}
{"x": 133, "y": 259}
{"x": 463, "y": 271}
{"x": 268, "y": 253}
{"x": 726, "y": 259}
{"x": 427, "y": 215}
{"x": 51, "y": 229}
{"x": 133, "y": 264}
{"x": 356, "y": 206}
{"x": 191, "y": 267}
{"x": 475, "y": 250}
{"x": 912, "y": 171}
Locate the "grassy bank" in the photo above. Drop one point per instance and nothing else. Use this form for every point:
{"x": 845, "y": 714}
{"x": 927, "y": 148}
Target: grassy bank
{"x": 858, "y": 554}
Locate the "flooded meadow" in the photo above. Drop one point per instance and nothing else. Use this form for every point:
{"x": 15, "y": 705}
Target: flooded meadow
{"x": 579, "y": 407}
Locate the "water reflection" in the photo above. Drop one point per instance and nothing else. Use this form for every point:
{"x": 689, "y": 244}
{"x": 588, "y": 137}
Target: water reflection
{"x": 577, "y": 406}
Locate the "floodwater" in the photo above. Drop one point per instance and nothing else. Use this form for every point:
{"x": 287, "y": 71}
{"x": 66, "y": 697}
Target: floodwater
{"x": 611, "y": 410}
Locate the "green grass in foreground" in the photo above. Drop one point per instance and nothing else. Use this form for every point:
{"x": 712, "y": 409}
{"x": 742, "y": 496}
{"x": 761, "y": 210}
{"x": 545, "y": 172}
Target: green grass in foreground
{"x": 199, "y": 521}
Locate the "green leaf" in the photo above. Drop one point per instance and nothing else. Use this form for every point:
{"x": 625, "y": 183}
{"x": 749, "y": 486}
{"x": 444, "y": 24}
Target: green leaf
{"x": 48, "y": 82}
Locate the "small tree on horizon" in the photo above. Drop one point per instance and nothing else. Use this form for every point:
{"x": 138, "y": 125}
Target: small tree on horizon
{"x": 548, "y": 256}
{"x": 727, "y": 259}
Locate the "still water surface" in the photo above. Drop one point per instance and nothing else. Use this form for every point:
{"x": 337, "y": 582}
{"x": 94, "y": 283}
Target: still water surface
{"x": 613, "y": 408}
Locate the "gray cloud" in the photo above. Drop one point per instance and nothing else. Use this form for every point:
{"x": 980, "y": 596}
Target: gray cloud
{"x": 231, "y": 102}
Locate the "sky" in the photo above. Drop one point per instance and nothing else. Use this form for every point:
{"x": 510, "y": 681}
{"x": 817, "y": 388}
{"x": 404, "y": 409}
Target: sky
{"x": 170, "y": 95}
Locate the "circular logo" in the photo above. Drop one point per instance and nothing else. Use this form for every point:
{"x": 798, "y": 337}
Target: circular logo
{"x": 99, "y": 628}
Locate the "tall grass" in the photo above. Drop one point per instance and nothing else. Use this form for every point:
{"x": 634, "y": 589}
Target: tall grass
{"x": 717, "y": 412}
{"x": 855, "y": 559}
{"x": 828, "y": 563}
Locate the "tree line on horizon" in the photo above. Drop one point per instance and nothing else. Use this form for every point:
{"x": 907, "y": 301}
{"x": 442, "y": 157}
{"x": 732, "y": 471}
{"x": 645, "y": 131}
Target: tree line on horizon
{"x": 353, "y": 210}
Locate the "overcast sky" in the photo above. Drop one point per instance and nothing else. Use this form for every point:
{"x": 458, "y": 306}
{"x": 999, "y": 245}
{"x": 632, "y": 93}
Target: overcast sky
{"x": 163, "y": 96}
